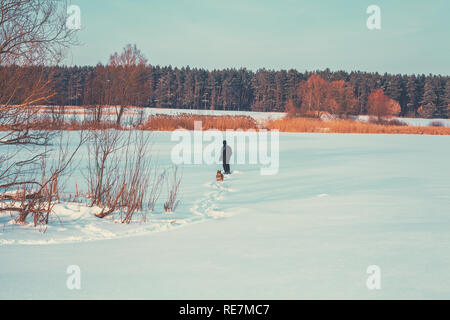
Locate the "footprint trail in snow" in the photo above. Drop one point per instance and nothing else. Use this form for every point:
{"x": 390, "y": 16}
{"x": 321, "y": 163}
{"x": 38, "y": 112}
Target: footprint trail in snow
{"x": 80, "y": 224}
{"x": 209, "y": 206}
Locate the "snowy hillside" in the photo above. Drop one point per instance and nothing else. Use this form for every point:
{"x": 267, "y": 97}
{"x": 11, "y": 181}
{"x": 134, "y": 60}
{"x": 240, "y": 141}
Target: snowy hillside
{"x": 338, "y": 204}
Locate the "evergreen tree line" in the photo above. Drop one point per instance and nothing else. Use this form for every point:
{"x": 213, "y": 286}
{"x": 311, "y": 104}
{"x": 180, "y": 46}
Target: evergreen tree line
{"x": 230, "y": 89}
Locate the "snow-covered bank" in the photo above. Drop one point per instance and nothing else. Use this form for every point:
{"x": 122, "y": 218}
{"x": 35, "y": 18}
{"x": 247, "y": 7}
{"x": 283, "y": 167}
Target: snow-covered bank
{"x": 132, "y": 114}
{"x": 338, "y": 204}
{"x": 417, "y": 122}
{"x": 76, "y": 222}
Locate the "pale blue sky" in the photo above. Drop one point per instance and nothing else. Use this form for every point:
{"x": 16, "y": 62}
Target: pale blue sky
{"x": 276, "y": 34}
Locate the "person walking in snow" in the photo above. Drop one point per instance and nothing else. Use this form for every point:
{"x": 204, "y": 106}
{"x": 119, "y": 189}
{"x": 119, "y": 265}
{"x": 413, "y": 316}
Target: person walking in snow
{"x": 225, "y": 157}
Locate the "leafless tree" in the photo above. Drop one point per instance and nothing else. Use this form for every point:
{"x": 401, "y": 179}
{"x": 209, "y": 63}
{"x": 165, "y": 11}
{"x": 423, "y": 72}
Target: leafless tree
{"x": 32, "y": 34}
{"x": 57, "y": 113}
{"x": 95, "y": 113}
{"x": 126, "y": 70}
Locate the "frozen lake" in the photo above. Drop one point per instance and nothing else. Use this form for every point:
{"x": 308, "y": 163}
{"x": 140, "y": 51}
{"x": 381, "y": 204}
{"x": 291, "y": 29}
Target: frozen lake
{"x": 339, "y": 203}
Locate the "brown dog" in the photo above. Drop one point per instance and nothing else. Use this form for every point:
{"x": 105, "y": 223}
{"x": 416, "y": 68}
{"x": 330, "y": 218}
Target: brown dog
{"x": 219, "y": 176}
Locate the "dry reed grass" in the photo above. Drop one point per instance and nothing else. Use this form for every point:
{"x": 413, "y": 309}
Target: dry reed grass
{"x": 349, "y": 126}
{"x": 222, "y": 123}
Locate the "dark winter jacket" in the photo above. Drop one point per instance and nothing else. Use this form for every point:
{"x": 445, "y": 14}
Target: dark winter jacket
{"x": 226, "y": 154}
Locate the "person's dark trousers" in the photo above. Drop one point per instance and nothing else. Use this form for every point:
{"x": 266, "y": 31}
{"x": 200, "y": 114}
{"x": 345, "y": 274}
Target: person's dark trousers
{"x": 226, "y": 168}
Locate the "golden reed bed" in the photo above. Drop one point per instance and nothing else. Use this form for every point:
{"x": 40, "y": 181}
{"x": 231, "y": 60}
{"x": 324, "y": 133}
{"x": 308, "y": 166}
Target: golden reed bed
{"x": 295, "y": 124}
{"x": 349, "y": 126}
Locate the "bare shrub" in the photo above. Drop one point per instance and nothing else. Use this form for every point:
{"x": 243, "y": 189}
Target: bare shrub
{"x": 103, "y": 165}
{"x": 387, "y": 122}
{"x": 107, "y": 211}
{"x": 57, "y": 113}
{"x": 136, "y": 174}
{"x": 156, "y": 189}
{"x": 396, "y": 122}
{"x": 95, "y": 113}
{"x": 37, "y": 195}
{"x": 291, "y": 109}
{"x": 173, "y": 180}
{"x": 140, "y": 117}
{"x": 436, "y": 124}
{"x": 120, "y": 170}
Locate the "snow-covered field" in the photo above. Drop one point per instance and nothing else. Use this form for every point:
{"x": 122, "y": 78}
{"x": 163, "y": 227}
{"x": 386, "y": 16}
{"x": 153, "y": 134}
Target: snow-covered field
{"x": 339, "y": 203}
